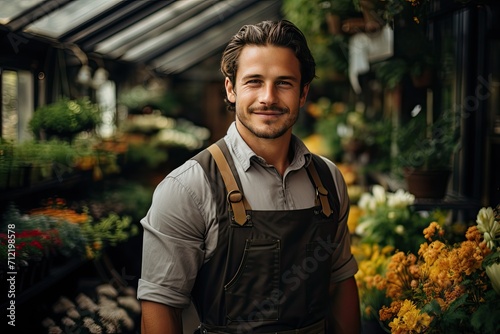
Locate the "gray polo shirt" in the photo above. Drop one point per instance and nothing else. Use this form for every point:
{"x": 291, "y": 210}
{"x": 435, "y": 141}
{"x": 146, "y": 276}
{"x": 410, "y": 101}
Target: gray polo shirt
{"x": 180, "y": 228}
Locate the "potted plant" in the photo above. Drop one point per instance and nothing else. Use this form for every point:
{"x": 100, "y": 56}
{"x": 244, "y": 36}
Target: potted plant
{"x": 65, "y": 118}
{"x": 425, "y": 153}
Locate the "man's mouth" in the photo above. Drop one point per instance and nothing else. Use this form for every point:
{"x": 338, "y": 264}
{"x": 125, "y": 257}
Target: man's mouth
{"x": 268, "y": 111}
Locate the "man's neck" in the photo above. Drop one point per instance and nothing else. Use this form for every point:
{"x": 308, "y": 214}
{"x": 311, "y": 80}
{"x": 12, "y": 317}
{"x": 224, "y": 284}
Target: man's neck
{"x": 275, "y": 152}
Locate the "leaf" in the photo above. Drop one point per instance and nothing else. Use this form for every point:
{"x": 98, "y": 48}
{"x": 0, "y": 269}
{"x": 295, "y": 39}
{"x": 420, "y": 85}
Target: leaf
{"x": 432, "y": 308}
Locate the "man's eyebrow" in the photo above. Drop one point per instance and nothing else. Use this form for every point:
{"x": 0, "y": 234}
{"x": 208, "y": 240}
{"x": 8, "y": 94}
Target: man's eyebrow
{"x": 281, "y": 77}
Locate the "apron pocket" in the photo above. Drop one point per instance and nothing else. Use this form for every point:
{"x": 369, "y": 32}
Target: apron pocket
{"x": 253, "y": 293}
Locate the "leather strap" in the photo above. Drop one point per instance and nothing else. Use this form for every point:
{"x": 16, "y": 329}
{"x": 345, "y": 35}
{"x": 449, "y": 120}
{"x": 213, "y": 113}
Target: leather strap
{"x": 321, "y": 191}
{"x": 235, "y": 197}
{"x": 238, "y": 202}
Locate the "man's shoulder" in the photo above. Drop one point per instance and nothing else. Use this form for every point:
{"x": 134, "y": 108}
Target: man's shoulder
{"x": 325, "y": 162}
{"x": 188, "y": 172}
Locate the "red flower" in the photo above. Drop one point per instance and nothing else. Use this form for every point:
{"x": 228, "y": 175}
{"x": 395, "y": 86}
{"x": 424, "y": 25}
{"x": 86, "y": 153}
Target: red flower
{"x": 37, "y": 244}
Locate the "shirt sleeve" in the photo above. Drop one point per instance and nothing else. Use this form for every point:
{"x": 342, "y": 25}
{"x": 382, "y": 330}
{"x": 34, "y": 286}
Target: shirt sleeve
{"x": 174, "y": 238}
{"x": 344, "y": 264}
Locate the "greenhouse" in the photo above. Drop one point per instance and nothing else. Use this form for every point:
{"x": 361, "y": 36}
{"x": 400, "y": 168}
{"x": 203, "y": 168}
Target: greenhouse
{"x": 250, "y": 166}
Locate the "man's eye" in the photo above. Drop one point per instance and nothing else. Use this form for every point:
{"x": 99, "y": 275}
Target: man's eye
{"x": 283, "y": 83}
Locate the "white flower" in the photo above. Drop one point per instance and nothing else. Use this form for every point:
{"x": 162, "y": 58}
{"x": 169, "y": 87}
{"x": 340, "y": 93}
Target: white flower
{"x": 493, "y": 272}
{"x": 85, "y": 303}
{"x": 400, "y": 229}
{"x": 379, "y": 194}
{"x": 90, "y": 324}
{"x": 366, "y": 202}
{"x": 62, "y": 305}
{"x": 116, "y": 316}
{"x": 130, "y": 303}
{"x": 47, "y": 322}
{"x": 363, "y": 226}
{"x": 68, "y": 322}
{"x": 487, "y": 224}
{"x": 107, "y": 290}
{"x": 73, "y": 313}
{"x": 400, "y": 199}
{"x": 55, "y": 330}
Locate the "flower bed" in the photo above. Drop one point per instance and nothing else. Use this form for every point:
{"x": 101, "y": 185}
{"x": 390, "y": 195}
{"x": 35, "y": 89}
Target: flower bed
{"x": 55, "y": 234}
{"x": 443, "y": 287}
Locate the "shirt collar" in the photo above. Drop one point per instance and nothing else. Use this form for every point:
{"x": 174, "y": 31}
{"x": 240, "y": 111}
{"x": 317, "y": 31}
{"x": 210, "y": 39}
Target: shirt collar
{"x": 243, "y": 154}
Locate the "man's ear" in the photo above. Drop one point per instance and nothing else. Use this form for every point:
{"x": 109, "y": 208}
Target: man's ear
{"x": 231, "y": 95}
{"x": 303, "y": 95}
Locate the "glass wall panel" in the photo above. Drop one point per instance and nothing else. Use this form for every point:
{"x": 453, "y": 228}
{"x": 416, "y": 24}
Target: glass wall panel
{"x": 17, "y": 104}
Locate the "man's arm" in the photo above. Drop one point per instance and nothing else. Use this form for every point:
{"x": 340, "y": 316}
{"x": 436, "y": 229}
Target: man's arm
{"x": 344, "y": 313}
{"x": 159, "y": 318}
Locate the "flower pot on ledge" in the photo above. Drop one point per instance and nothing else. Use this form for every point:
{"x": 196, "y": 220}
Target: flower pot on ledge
{"x": 427, "y": 183}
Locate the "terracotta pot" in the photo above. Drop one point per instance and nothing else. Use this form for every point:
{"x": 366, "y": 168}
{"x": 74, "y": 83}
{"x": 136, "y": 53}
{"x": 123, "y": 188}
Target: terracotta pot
{"x": 427, "y": 183}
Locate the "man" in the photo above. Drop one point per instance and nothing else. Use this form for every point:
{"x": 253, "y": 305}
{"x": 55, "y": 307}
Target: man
{"x": 260, "y": 245}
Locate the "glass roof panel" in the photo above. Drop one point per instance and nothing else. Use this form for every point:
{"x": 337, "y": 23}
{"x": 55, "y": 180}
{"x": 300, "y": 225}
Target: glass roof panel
{"x": 153, "y": 25}
{"x": 208, "y": 42}
{"x": 11, "y": 9}
{"x": 160, "y": 41}
{"x": 68, "y": 17}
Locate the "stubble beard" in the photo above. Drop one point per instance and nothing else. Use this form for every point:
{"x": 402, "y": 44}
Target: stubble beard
{"x": 273, "y": 129}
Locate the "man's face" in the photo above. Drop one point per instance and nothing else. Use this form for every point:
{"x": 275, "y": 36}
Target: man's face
{"x": 266, "y": 91}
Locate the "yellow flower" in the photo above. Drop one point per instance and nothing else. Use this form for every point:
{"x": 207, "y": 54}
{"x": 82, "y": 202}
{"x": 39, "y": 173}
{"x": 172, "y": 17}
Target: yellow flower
{"x": 89, "y": 252}
{"x": 409, "y": 319}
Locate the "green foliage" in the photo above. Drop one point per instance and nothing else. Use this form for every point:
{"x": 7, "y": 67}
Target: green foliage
{"x": 123, "y": 197}
{"x": 426, "y": 146}
{"x": 491, "y": 259}
{"x": 390, "y": 72}
{"x": 486, "y": 319}
{"x": 390, "y": 219}
{"x": 330, "y": 52}
{"x": 147, "y": 154}
{"x": 47, "y": 152}
{"x": 65, "y": 118}
{"x": 110, "y": 230}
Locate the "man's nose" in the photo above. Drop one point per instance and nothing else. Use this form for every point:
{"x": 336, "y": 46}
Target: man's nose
{"x": 269, "y": 95}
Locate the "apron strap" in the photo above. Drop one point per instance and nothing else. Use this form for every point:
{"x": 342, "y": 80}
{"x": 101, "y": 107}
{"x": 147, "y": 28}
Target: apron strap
{"x": 321, "y": 191}
{"x": 235, "y": 198}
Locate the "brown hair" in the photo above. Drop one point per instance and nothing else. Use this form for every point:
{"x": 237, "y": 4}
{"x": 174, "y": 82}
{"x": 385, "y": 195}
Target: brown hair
{"x": 278, "y": 33}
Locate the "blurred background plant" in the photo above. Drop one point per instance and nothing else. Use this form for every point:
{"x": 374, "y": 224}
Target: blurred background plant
{"x": 328, "y": 25}
{"x": 388, "y": 218}
{"x": 348, "y": 134}
{"x": 372, "y": 263}
{"x": 65, "y": 118}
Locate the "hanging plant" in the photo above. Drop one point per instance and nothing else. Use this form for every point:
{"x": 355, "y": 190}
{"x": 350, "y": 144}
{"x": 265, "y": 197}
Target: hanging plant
{"x": 65, "y": 118}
